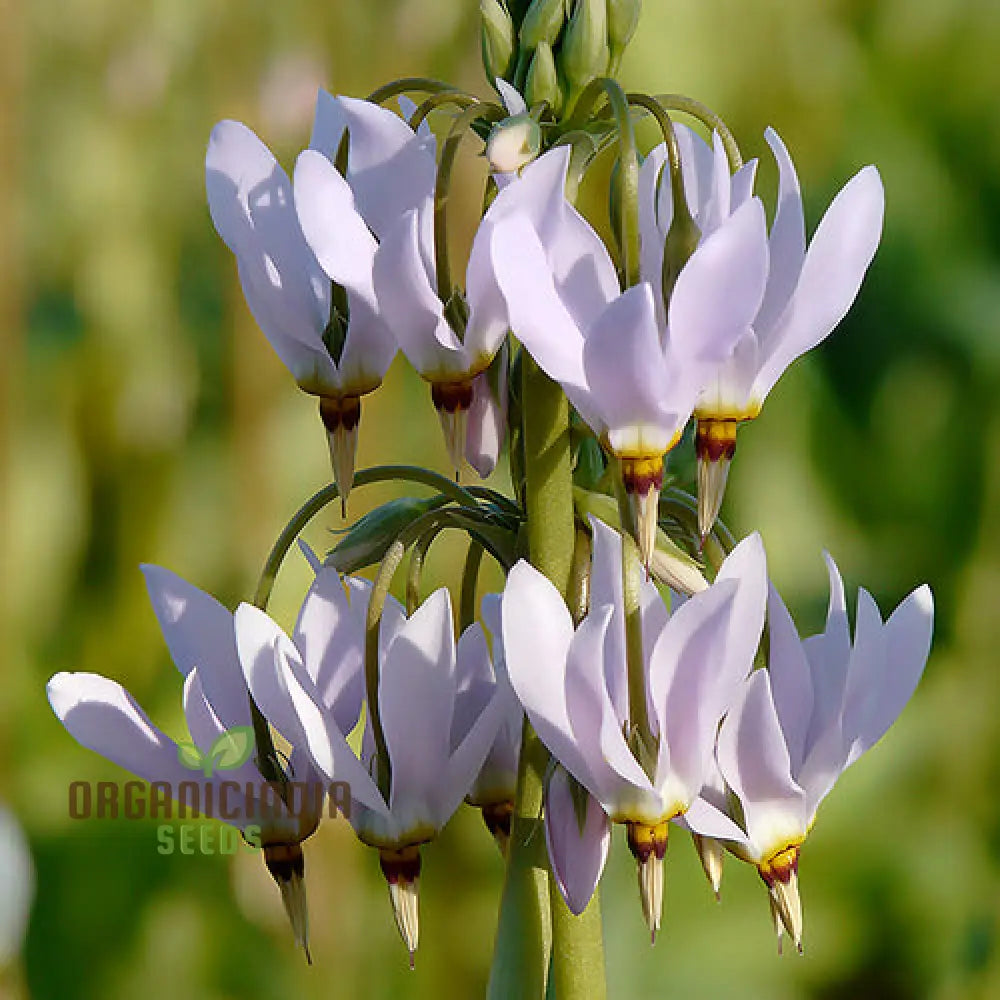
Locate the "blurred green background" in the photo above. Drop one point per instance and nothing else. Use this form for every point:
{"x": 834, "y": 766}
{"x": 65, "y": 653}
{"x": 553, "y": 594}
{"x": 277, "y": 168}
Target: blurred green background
{"x": 146, "y": 419}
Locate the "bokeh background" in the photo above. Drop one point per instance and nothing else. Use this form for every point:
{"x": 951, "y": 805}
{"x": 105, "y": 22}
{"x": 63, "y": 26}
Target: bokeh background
{"x": 145, "y": 419}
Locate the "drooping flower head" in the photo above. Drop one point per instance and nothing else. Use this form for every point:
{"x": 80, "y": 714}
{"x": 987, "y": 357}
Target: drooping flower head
{"x": 807, "y": 293}
{"x": 693, "y": 661}
{"x": 632, "y": 367}
{"x": 322, "y": 320}
{"x": 797, "y": 726}
{"x": 433, "y": 757}
{"x": 102, "y": 716}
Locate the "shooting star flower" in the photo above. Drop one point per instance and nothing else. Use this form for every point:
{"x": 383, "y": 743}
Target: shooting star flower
{"x": 633, "y": 375}
{"x": 320, "y": 315}
{"x": 428, "y": 774}
{"x": 808, "y": 291}
{"x": 694, "y": 661}
{"x": 102, "y": 716}
{"x": 800, "y": 724}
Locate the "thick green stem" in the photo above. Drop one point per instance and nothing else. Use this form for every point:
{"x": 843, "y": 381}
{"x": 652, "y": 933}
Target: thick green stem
{"x": 533, "y": 916}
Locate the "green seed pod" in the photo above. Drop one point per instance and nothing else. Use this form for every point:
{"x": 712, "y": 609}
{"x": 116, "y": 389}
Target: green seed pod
{"x": 585, "y": 53}
{"x": 542, "y": 83}
{"x": 623, "y": 17}
{"x": 542, "y": 23}
{"x": 497, "y": 39}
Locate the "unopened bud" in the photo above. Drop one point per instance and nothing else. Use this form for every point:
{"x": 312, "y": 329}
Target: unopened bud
{"x": 542, "y": 83}
{"x": 542, "y": 23}
{"x": 584, "y": 54}
{"x": 623, "y": 18}
{"x": 497, "y": 30}
{"x": 370, "y": 537}
{"x": 513, "y": 143}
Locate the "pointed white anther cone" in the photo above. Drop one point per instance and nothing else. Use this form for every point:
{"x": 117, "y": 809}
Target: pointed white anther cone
{"x": 405, "y": 908}
{"x": 651, "y": 893}
{"x": 712, "y": 476}
{"x": 788, "y": 905}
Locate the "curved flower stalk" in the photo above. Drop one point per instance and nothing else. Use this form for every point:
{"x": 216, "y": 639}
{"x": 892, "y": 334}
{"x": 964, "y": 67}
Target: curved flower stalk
{"x": 693, "y": 662}
{"x": 419, "y": 684}
{"x": 800, "y": 724}
{"x": 808, "y": 290}
{"x": 102, "y": 716}
{"x": 320, "y": 316}
{"x": 631, "y": 367}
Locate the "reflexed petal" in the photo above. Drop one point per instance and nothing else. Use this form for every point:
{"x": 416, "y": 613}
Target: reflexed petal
{"x": 330, "y": 637}
{"x": 102, "y": 716}
{"x": 416, "y": 700}
{"x": 577, "y": 259}
{"x": 467, "y": 760}
{"x": 720, "y": 288}
{"x": 626, "y": 373}
{"x": 336, "y": 233}
{"x": 829, "y": 654}
{"x": 538, "y": 316}
{"x": 261, "y": 642}
{"x": 390, "y": 169}
{"x": 835, "y": 265}
{"x": 577, "y": 856}
{"x": 475, "y": 678}
{"x": 410, "y": 305}
{"x": 753, "y": 758}
{"x": 537, "y": 628}
{"x": 742, "y": 184}
{"x": 684, "y": 685}
{"x": 706, "y": 820}
{"x": 488, "y": 323}
{"x": 328, "y": 125}
{"x": 787, "y": 242}
{"x": 718, "y": 208}
{"x": 596, "y": 726}
{"x": 907, "y": 637}
{"x": 288, "y": 698}
{"x": 791, "y": 680}
{"x": 199, "y": 633}
{"x": 747, "y": 564}
{"x": 368, "y": 350}
{"x": 203, "y": 724}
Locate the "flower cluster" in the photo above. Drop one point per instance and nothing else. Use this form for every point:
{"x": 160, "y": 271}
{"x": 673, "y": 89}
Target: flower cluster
{"x": 630, "y": 636}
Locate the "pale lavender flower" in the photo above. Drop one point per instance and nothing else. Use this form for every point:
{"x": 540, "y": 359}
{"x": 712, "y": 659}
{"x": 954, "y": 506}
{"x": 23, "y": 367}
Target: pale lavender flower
{"x": 101, "y": 715}
{"x": 797, "y": 726}
{"x": 632, "y": 371}
{"x": 693, "y": 662}
{"x": 808, "y": 292}
{"x": 434, "y": 757}
{"x": 320, "y": 316}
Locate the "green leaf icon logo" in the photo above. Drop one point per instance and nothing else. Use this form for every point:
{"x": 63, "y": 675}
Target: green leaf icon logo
{"x": 190, "y": 756}
{"x": 231, "y": 750}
